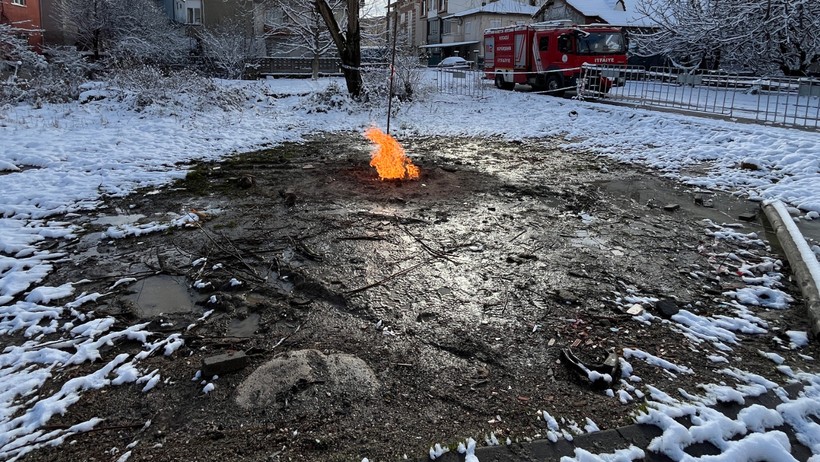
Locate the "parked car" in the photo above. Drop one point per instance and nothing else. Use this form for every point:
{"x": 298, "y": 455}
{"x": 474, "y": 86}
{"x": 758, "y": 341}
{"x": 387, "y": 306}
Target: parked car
{"x": 454, "y": 62}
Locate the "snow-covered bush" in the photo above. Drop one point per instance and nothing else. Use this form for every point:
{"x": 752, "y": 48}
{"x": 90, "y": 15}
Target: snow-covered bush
{"x": 407, "y": 79}
{"x": 61, "y": 79}
{"x": 17, "y": 63}
{"x": 146, "y": 86}
{"x": 333, "y": 98}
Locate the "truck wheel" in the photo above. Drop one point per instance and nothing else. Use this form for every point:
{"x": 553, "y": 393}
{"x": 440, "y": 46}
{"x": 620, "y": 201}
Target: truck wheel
{"x": 500, "y": 83}
{"x": 553, "y": 85}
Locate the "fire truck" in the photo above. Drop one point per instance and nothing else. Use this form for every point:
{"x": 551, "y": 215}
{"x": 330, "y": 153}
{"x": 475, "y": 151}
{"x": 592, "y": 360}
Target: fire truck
{"x": 549, "y": 55}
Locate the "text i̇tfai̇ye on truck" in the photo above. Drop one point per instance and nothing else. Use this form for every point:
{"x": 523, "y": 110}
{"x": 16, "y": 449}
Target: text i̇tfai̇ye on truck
{"x": 550, "y": 55}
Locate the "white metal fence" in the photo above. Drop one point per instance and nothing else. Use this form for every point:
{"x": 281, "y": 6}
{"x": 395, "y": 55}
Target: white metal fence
{"x": 466, "y": 82}
{"x": 770, "y": 100}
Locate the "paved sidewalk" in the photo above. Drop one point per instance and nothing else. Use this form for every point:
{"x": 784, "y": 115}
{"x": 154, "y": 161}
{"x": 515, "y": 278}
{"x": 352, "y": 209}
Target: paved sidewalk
{"x": 640, "y": 435}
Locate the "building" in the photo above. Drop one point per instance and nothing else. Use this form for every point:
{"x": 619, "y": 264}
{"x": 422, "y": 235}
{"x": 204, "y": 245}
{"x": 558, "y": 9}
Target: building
{"x": 458, "y": 29}
{"x": 25, "y": 15}
{"x": 621, "y": 13}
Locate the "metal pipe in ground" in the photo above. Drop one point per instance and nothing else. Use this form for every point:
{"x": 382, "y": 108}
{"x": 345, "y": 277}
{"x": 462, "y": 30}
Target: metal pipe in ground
{"x": 802, "y": 260}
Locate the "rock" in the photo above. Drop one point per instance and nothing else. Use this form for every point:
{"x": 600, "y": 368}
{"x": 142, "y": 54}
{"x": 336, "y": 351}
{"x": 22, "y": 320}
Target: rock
{"x": 667, "y": 308}
{"x": 324, "y": 378}
{"x": 289, "y": 197}
{"x": 671, "y": 207}
{"x": 566, "y": 296}
{"x": 635, "y": 310}
{"x": 746, "y": 165}
{"x": 246, "y": 181}
{"x": 222, "y": 364}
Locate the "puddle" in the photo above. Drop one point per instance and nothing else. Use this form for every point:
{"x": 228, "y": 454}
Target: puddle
{"x": 161, "y": 295}
{"x": 244, "y": 327}
{"x": 116, "y": 220}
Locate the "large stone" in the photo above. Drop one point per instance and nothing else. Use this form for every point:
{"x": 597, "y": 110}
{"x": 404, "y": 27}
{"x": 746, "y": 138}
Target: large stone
{"x": 330, "y": 377}
{"x": 222, "y": 364}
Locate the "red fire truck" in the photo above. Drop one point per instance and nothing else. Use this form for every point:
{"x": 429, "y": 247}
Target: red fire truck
{"x": 549, "y": 55}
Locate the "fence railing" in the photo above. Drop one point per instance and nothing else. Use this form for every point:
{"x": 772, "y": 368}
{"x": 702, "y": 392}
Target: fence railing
{"x": 770, "y": 100}
{"x": 466, "y": 82}
{"x": 298, "y": 66}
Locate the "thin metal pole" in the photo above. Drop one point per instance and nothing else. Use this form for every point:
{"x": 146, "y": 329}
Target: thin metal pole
{"x": 392, "y": 64}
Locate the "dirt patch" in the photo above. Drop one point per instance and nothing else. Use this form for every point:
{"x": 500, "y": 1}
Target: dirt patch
{"x": 452, "y": 295}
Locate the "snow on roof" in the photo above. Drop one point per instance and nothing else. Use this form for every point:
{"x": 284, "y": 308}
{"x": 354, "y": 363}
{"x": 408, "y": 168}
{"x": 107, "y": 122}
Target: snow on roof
{"x": 611, "y": 11}
{"x": 499, "y": 7}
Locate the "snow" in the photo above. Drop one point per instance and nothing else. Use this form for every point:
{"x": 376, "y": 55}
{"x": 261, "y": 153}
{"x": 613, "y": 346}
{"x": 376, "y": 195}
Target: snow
{"x": 798, "y": 339}
{"x": 77, "y": 154}
{"x": 621, "y": 455}
{"x": 437, "y": 451}
{"x": 656, "y": 361}
{"x": 468, "y": 450}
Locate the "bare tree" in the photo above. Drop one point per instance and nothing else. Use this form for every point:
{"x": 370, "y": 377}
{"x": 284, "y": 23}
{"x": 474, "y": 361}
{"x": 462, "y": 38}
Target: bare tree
{"x": 348, "y": 43}
{"x": 295, "y": 27}
{"x": 122, "y": 29}
{"x": 230, "y": 47}
{"x": 760, "y": 35}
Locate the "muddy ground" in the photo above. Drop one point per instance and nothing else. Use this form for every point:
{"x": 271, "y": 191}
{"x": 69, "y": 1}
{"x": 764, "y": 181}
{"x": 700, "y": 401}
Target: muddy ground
{"x": 392, "y": 315}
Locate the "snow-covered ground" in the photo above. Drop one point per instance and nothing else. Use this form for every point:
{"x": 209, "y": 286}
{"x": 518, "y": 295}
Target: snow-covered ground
{"x": 60, "y": 159}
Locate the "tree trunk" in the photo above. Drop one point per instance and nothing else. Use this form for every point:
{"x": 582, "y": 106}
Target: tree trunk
{"x": 349, "y": 45}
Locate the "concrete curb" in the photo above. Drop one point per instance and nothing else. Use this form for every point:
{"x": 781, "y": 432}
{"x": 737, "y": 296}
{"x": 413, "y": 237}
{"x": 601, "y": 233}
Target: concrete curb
{"x": 801, "y": 259}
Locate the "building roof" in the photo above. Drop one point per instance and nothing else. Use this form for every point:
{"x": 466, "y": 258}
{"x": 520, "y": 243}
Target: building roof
{"x": 499, "y": 7}
{"x": 621, "y": 13}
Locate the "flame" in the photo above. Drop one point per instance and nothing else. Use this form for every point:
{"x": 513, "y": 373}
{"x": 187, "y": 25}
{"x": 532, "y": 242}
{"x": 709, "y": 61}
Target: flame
{"x": 389, "y": 158}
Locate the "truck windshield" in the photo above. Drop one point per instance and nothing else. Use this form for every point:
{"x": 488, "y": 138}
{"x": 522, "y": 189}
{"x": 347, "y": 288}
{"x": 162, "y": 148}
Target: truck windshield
{"x": 601, "y": 43}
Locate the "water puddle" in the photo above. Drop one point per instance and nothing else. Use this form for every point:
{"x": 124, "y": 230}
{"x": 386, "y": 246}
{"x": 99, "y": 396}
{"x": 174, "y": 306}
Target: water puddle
{"x": 244, "y": 327}
{"x": 161, "y": 294}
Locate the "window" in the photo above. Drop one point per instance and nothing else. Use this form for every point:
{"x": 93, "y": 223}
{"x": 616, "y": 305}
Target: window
{"x": 448, "y": 28}
{"x": 194, "y": 16}
{"x": 468, "y": 27}
{"x": 601, "y": 43}
{"x": 18, "y": 2}
{"x": 564, "y": 44}
{"x": 495, "y": 23}
{"x": 543, "y": 44}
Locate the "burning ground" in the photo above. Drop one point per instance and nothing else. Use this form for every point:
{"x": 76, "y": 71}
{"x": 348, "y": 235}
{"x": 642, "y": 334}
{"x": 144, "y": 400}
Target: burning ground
{"x": 381, "y": 317}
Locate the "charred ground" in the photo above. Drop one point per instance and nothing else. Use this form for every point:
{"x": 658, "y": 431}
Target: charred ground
{"x": 427, "y": 311}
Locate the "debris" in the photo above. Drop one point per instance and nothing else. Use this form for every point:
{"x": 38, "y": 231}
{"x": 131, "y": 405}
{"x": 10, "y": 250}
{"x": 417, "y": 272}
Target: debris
{"x": 704, "y": 201}
{"x": 598, "y": 376}
{"x": 667, "y": 308}
{"x": 246, "y": 181}
{"x": 224, "y": 363}
{"x": 289, "y": 197}
{"x": 748, "y": 216}
{"x": 671, "y": 207}
{"x": 635, "y": 310}
{"x": 566, "y": 296}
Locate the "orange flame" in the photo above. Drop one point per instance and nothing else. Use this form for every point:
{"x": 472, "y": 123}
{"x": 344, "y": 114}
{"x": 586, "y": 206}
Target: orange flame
{"x": 389, "y": 158}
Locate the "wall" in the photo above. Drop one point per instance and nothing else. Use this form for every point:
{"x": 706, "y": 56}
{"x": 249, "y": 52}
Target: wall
{"x": 24, "y": 17}
{"x": 560, "y": 10}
